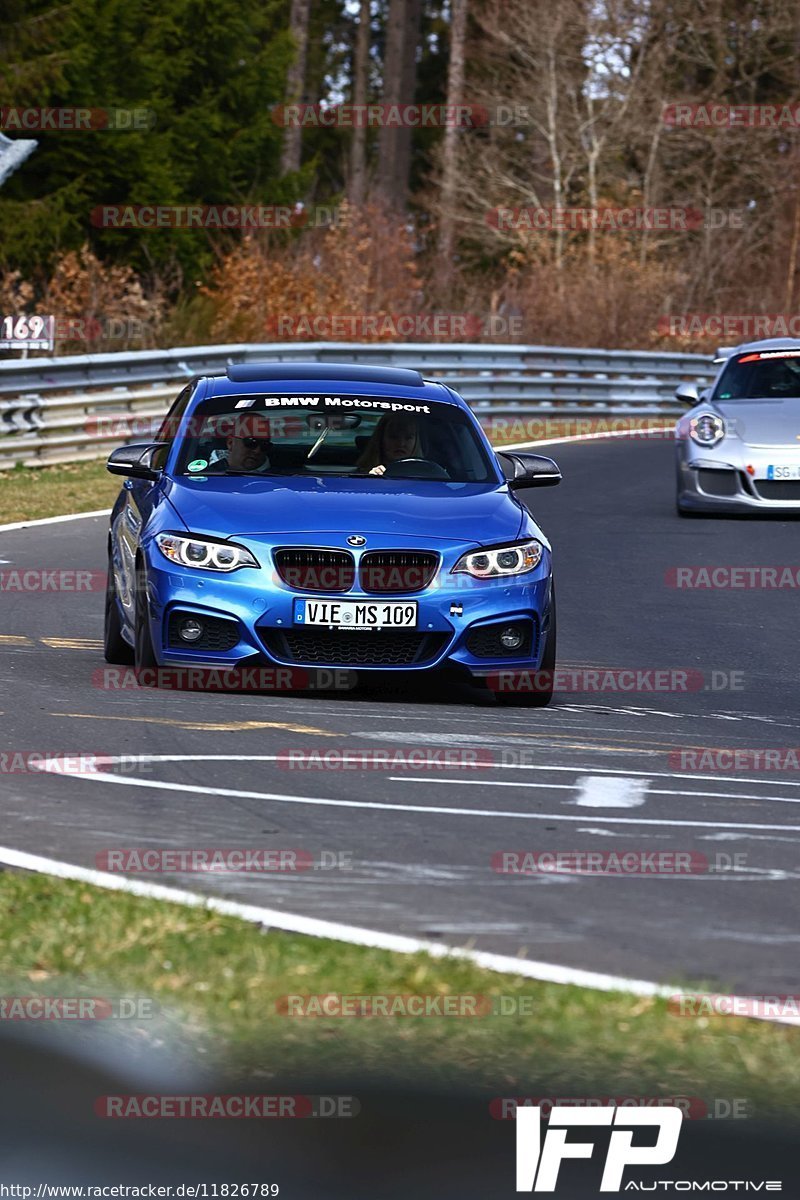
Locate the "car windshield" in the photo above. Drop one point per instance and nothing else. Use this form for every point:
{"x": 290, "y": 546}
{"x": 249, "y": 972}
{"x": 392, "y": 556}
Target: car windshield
{"x": 762, "y": 375}
{"x": 333, "y": 435}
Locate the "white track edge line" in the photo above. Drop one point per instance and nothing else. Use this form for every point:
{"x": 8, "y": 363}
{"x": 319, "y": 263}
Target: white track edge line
{"x": 355, "y": 935}
{"x": 643, "y": 435}
{"x": 99, "y": 512}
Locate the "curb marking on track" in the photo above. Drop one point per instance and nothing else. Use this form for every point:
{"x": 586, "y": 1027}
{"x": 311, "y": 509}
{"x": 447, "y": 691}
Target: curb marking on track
{"x": 204, "y": 726}
{"x": 600, "y": 791}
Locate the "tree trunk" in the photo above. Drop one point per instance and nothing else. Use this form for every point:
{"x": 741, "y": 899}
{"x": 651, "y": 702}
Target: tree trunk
{"x": 408, "y": 87}
{"x": 455, "y": 95}
{"x": 357, "y": 185}
{"x": 392, "y": 84}
{"x": 295, "y": 81}
{"x": 791, "y": 266}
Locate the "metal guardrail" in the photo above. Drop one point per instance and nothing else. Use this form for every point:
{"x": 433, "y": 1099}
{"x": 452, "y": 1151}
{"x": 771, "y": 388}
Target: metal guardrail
{"x": 70, "y": 409}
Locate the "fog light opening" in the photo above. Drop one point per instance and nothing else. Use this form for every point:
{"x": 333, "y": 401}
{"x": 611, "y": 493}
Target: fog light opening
{"x": 511, "y": 638}
{"x": 190, "y": 630}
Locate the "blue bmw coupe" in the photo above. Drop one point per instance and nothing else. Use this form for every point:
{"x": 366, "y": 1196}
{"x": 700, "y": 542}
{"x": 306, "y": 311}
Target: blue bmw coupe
{"x": 323, "y": 516}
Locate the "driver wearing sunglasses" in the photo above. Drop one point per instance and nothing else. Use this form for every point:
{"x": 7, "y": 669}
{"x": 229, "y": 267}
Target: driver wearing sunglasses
{"x": 247, "y": 446}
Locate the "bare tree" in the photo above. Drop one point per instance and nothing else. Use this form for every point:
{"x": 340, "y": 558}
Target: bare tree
{"x": 392, "y": 88}
{"x": 295, "y": 82}
{"x": 794, "y": 245}
{"x": 408, "y": 86}
{"x": 455, "y": 96}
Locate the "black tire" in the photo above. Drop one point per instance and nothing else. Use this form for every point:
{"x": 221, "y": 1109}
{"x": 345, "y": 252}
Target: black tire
{"x": 145, "y": 665}
{"x": 115, "y": 648}
{"x": 540, "y": 698}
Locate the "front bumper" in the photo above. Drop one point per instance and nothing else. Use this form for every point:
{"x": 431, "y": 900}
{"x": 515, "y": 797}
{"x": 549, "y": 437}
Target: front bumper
{"x": 721, "y": 482}
{"x": 260, "y": 610}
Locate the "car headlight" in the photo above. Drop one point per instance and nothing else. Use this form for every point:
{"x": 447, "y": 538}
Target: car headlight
{"x": 707, "y": 429}
{"x": 501, "y": 560}
{"x": 190, "y": 551}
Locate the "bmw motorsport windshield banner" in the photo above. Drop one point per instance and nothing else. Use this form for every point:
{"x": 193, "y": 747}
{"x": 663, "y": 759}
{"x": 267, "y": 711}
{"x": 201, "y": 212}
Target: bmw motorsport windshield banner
{"x": 332, "y": 402}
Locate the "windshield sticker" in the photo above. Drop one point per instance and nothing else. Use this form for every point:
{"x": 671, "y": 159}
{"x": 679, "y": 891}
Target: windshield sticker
{"x": 199, "y": 464}
{"x": 762, "y": 354}
{"x": 329, "y": 402}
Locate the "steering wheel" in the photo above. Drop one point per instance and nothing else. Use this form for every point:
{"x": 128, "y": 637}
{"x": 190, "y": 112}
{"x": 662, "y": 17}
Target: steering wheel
{"x": 415, "y": 468}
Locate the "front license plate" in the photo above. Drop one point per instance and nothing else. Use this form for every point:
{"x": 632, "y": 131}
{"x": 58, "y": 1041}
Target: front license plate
{"x": 792, "y": 472}
{"x": 356, "y": 614}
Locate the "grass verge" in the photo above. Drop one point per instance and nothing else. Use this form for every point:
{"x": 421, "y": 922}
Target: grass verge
{"x": 225, "y": 978}
{"x": 29, "y": 493}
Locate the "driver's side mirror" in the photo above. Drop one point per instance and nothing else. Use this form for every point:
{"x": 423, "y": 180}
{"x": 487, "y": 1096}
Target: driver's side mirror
{"x": 687, "y": 394}
{"x": 142, "y": 460}
{"x": 523, "y": 470}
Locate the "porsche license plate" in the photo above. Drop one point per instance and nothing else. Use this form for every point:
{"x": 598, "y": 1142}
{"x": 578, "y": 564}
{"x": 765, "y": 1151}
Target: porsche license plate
{"x": 356, "y": 614}
{"x": 777, "y": 472}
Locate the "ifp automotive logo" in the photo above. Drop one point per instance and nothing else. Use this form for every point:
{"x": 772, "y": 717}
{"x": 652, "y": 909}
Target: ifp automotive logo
{"x": 539, "y": 1159}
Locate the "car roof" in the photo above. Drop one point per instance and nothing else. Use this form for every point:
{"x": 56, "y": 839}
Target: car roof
{"x": 723, "y": 354}
{"x": 246, "y": 378}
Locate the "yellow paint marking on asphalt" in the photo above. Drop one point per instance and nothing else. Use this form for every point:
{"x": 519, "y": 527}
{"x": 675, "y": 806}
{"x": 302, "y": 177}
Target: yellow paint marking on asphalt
{"x": 72, "y": 643}
{"x": 206, "y": 726}
{"x": 15, "y": 639}
{"x": 601, "y": 746}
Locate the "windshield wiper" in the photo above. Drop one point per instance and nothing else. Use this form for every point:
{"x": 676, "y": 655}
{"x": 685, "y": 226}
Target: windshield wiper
{"x": 317, "y": 444}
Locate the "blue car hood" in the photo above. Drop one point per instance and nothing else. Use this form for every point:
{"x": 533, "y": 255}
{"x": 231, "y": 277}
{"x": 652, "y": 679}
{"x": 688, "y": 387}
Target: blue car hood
{"x": 457, "y": 512}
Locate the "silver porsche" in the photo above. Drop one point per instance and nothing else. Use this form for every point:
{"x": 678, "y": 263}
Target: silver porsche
{"x": 738, "y": 446}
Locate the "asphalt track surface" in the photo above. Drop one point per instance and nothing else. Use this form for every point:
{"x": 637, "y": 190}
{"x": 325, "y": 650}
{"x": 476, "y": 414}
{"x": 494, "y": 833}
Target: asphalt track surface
{"x": 591, "y": 773}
